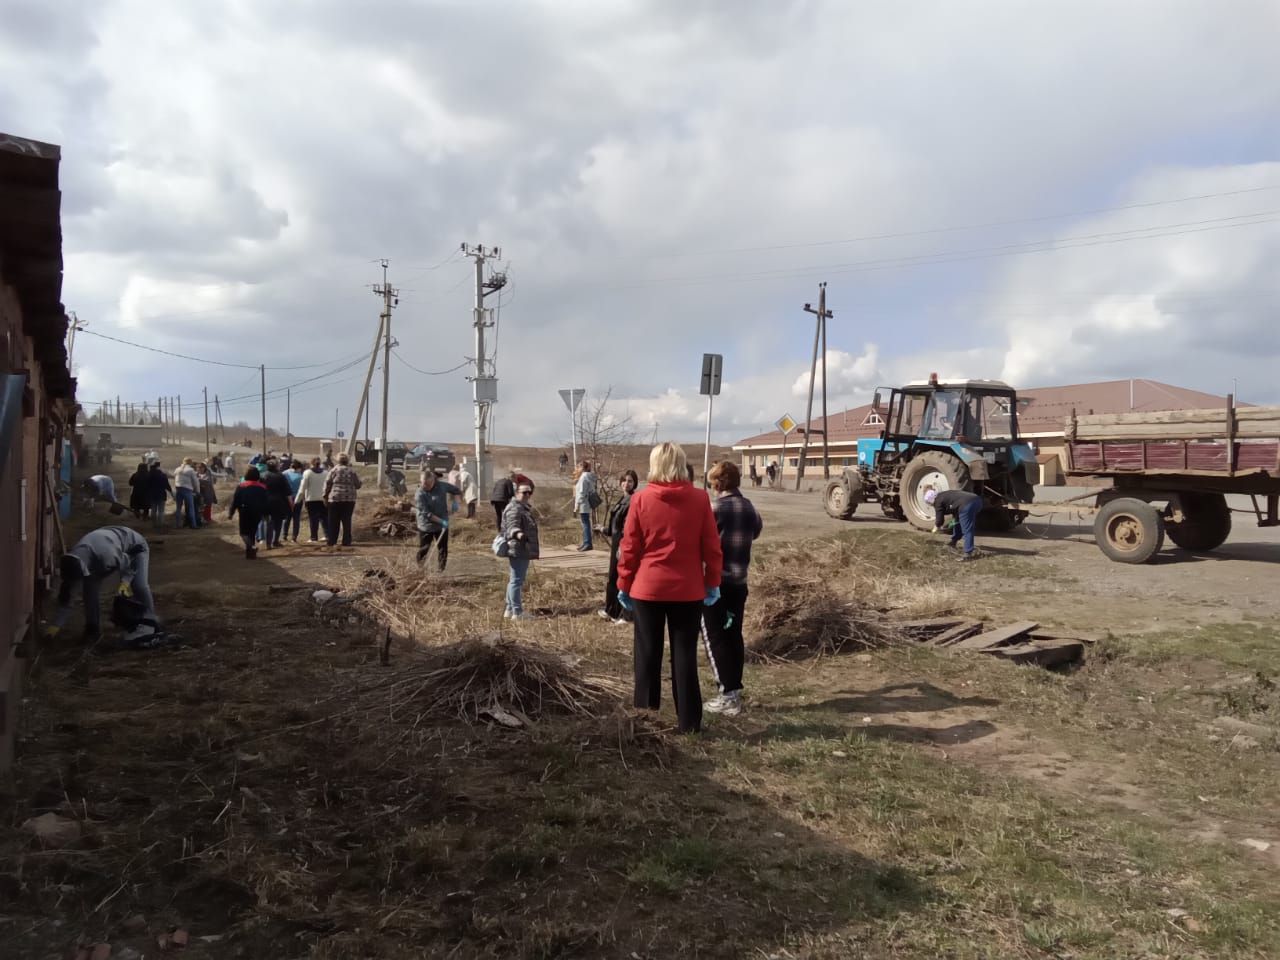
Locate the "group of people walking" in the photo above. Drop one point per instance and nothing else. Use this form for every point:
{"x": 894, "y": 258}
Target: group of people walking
{"x": 272, "y": 498}
{"x": 192, "y": 488}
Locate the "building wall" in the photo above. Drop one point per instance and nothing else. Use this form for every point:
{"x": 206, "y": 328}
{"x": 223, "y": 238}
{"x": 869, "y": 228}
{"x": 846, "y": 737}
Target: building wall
{"x": 29, "y": 536}
{"x": 840, "y": 457}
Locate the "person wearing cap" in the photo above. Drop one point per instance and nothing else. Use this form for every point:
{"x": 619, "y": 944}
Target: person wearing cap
{"x": 104, "y": 553}
{"x": 520, "y": 529}
{"x": 431, "y": 505}
{"x": 965, "y": 506}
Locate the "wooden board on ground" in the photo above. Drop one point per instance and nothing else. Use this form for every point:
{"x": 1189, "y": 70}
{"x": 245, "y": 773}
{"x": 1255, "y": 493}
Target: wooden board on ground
{"x": 1044, "y": 653}
{"x": 961, "y": 631}
{"x": 994, "y": 638}
{"x": 1046, "y": 635}
{"x": 560, "y": 558}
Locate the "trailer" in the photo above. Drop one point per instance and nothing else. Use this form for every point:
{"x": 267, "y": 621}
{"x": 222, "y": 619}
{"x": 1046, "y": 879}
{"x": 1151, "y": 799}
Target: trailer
{"x": 1170, "y": 473}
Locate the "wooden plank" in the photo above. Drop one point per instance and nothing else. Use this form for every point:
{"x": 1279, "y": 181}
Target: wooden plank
{"x": 1044, "y": 653}
{"x": 993, "y": 638}
{"x": 932, "y": 625}
{"x": 957, "y": 633}
{"x": 1251, "y": 429}
{"x": 1046, "y": 635}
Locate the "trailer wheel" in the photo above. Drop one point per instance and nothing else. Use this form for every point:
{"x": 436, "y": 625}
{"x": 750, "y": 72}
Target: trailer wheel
{"x": 1207, "y": 524}
{"x": 1129, "y": 530}
{"x": 933, "y": 469}
{"x": 839, "y": 500}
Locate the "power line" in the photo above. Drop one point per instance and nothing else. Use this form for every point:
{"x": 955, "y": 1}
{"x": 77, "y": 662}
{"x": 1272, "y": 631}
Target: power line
{"x": 684, "y": 252}
{"x": 184, "y": 356}
{"x": 428, "y": 373}
{"x": 978, "y": 253}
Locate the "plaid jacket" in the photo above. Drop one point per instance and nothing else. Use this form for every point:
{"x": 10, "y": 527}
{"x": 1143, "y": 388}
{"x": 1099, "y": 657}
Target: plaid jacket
{"x": 739, "y": 525}
{"x": 341, "y": 484}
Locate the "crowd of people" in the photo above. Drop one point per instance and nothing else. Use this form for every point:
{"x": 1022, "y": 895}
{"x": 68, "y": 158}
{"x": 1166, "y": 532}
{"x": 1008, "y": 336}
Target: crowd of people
{"x": 678, "y": 561}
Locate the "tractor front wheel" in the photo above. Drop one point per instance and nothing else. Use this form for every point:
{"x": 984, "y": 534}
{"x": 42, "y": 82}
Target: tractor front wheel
{"x": 937, "y": 470}
{"x": 839, "y": 500}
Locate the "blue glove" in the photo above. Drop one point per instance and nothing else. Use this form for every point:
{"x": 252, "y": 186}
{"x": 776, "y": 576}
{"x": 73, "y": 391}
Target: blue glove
{"x": 712, "y": 597}
{"x": 624, "y": 600}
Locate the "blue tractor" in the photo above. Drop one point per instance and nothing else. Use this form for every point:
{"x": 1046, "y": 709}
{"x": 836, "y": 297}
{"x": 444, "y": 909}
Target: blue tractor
{"x": 945, "y": 435}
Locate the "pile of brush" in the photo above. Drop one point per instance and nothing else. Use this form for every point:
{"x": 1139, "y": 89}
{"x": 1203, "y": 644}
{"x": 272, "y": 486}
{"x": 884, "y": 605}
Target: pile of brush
{"x": 795, "y": 618}
{"x": 492, "y": 679}
{"x": 393, "y": 517}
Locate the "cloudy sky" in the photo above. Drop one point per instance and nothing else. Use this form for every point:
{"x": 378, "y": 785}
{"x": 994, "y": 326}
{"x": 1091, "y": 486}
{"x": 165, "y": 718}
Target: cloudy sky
{"x": 1048, "y": 192}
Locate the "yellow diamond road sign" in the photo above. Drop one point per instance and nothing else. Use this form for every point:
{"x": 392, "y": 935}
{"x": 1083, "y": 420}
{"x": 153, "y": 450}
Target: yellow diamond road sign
{"x": 785, "y": 423}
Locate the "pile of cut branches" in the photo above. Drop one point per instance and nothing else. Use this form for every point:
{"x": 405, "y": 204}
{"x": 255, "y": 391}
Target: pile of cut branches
{"x": 489, "y": 678}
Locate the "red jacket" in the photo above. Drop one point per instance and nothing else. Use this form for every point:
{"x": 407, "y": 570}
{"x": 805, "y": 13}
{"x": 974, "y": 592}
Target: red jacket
{"x": 670, "y": 546}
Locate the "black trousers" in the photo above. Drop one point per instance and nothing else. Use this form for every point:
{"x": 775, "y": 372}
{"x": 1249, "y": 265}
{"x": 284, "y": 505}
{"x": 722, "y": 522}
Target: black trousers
{"x": 318, "y": 517}
{"x": 725, "y": 647}
{"x": 471, "y": 509}
{"x": 426, "y": 538}
{"x": 611, "y": 605}
{"x": 294, "y": 520}
{"x": 340, "y": 513}
{"x": 654, "y": 618}
{"x": 498, "y": 507}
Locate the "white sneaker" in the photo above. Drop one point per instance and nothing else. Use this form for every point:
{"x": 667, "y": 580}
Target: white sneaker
{"x": 506, "y": 614}
{"x": 603, "y": 615}
{"x": 522, "y": 616}
{"x": 728, "y": 704}
{"x": 620, "y": 622}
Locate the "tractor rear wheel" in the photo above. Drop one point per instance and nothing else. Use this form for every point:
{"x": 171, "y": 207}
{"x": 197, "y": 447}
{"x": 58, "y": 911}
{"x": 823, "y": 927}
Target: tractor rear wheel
{"x": 839, "y": 499}
{"x": 1207, "y": 522}
{"x": 935, "y": 469}
{"x": 1129, "y": 530}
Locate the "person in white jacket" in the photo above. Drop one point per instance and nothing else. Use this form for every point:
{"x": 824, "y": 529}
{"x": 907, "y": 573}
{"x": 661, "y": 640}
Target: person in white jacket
{"x": 470, "y": 489}
{"x": 311, "y": 493}
{"x": 585, "y": 499}
{"x": 186, "y": 494}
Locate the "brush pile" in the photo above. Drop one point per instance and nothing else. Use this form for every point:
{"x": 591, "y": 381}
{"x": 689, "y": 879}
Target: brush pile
{"x": 820, "y": 597}
{"x": 416, "y": 604}
{"x": 393, "y": 518}
{"x": 796, "y": 618}
{"x": 489, "y": 678}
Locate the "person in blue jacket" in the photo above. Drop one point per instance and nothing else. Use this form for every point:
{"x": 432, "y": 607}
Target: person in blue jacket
{"x": 431, "y": 504}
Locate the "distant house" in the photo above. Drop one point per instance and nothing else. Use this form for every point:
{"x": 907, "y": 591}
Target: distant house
{"x": 1042, "y": 415}
{"x": 37, "y": 404}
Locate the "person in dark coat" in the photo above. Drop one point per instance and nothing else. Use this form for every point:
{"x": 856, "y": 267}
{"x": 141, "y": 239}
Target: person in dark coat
{"x": 139, "y": 500}
{"x": 279, "y": 502}
{"x": 613, "y": 530}
{"x": 504, "y": 491}
{"x": 251, "y": 501}
{"x": 158, "y": 490}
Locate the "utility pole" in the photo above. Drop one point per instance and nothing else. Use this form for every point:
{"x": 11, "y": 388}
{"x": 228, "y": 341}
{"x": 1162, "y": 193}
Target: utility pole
{"x": 484, "y": 382}
{"x": 206, "y": 424}
{"x": 71, "y": 339}
{"x": 160, "y": 417}
{"x": 262, "y": 372}
{"x": 178, "y": 422}
{"x": 826, "y": 453}
{"x": 217, "y": 413}
{"x": 389, "y": 299}
{"x": 288, "y": 409}
{"x": 820, "y": 323}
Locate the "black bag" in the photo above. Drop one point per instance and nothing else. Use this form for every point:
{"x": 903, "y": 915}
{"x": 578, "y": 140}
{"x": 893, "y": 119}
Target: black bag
{"x": 127, "y": 613}
{"x": 593, "y": 499}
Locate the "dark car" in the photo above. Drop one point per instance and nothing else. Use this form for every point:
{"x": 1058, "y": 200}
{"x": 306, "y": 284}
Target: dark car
{"x": 437, "y": 456}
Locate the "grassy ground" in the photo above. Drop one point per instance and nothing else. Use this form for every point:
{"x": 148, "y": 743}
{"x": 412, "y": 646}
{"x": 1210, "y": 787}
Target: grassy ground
{"x": 262, "y": 787}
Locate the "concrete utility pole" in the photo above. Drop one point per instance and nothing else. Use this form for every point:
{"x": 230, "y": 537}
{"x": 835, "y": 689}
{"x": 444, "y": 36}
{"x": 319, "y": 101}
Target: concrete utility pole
{"x": 389, "y": 299}
{"x": 178, "y": 423}
{"x": 262, "y": 372}
{"x": 71, "y": 338}
{"x": 819, "y": 335}
{"x": 485, "y": 380}
{"x": 288, "y": 409}
{"x": 206, "y": 424}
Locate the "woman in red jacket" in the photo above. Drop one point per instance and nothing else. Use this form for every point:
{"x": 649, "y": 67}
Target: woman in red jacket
{"x": 668, "y": 568}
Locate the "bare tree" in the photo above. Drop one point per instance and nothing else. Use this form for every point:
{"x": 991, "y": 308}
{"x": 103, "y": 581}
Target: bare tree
{"x": 607, "y": 438}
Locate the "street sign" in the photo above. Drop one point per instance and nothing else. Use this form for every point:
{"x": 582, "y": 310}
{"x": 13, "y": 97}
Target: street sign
{"x": 341, "y": 434}
{"x": 572, "y": 398}
{"x": 785, "y": 423}
{"x": 712, "y": 363}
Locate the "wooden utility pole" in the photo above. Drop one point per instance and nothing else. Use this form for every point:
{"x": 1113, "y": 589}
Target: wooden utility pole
{"x": 178, "y": 423}
{"x": 206, "y": 424}
{"x": 288, "y": 409}
{"x": 363, "y": 406}
{"x": 819, "y": 336}
{"x": 217, "y": 414}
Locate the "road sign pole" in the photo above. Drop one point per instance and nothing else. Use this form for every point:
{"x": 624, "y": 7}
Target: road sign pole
{"x": 706, "y": 448}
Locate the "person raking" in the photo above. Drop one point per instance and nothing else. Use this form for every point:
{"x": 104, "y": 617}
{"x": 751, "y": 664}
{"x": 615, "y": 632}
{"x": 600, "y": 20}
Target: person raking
{"x": 97, "y": 556}
{"x": 431, "y": 504}
{"x": 965, "y": 506}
